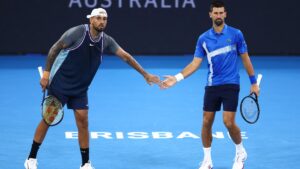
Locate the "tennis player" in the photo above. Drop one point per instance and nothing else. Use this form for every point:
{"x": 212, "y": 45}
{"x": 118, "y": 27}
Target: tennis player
{"x": 221, "y": 45}
{"x": 71, "y": 65}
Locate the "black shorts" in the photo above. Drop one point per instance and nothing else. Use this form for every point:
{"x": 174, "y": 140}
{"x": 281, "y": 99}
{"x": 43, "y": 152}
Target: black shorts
{"x": 215, "y": 96}
{"x": 73, "y": 102}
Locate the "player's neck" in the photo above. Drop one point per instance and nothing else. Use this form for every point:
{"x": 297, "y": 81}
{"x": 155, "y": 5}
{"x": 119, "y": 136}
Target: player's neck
{"x": 94, "y": 33}
{"x": 218, "y": 29}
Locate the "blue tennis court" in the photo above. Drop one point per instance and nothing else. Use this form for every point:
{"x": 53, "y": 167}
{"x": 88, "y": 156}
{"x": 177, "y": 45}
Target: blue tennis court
{"x": 136, "y": 126}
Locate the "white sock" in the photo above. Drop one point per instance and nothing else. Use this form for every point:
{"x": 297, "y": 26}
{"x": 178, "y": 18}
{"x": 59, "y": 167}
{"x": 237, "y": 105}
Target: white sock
{"x": 239, "y": 147}
{"x": 207, "y": 153}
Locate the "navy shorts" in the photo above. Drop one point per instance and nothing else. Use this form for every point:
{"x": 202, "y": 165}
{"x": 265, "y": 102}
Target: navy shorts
{"x": 226, "y": 95}
{"x": 73, "y": 102}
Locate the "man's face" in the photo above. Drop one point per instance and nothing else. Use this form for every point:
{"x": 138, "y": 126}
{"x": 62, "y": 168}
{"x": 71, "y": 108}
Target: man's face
{"x": 218, "y": 15}
{"x": 99, "y": 23}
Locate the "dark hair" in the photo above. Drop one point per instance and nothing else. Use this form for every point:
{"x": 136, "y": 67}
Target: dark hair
{"x": 216, "y": 4}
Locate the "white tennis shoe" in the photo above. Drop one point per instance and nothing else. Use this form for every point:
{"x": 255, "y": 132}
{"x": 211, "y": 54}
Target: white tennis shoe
{"x": 30, "y": 163}
{"x": 87, "y": 166}
{"x": 206, "y": 164}
{"x": 239, "y": 160}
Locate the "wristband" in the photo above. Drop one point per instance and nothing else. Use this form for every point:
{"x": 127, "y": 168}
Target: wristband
{"x": 252, "y": 79}
{"x": 179, "y": 77}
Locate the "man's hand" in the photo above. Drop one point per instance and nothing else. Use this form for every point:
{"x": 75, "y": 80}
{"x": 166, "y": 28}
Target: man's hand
{"x": 45, "y": 80}
{"x": 255, "y": 89}
{"x": 152, "y": 79}
{"x": 168, "y": 82}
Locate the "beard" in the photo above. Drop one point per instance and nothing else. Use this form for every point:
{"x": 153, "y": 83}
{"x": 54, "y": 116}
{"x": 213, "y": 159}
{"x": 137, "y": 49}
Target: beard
{"x": 218, "y": 22}
{"x": 99, "y": 29}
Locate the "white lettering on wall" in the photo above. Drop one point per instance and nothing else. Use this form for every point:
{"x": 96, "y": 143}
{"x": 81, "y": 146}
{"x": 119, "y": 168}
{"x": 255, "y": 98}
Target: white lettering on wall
{"x": 150, "y": 2}
{"x": 134, "y": 3}
{"x": 188, "y": 2}
{"x": 75, "y": 2}
{"x": 106, "y": 4}
{"x": 163, "y": 4}
{"x": 91, "y": 3}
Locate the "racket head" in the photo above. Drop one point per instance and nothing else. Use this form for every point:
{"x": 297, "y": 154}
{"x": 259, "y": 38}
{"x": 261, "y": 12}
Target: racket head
{"x": 52, "y": 110}
{"x": 249, "y": 108}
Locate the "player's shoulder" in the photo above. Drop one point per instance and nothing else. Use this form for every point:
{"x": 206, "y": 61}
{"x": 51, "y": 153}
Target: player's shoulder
{"x": 233, "y": 29}
{"x": 107, "y": 37}
{"x": 78, "y": 30}
{"x": 204, "y": 35}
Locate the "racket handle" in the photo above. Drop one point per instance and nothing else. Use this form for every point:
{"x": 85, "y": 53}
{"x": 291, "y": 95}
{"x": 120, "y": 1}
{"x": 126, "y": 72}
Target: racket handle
{"x": 40, "y": 71}
{"x": 259, "y": 77}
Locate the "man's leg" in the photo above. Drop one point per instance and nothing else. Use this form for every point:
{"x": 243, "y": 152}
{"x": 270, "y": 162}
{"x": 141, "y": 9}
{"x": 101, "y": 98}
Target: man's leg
{"x": 233, "y": 129}
{"x": 83, "y": 133}
{"x": 235, "y": 134}
{"x": 206, "y": 133}
{"x": 40, "y": 133}
{"x": 208, "y": 119}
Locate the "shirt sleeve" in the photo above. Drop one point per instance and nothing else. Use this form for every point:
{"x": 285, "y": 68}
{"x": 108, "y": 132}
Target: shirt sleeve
{"x": 199, "y": 51}
{"x": 73, "y": 36}
{"x": 241, "y": 43}
{"x": 110, "y": 44}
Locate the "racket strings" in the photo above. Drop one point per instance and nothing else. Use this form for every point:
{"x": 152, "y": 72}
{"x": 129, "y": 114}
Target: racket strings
{"x": 52, "y": 111}
{"x": 250, "y": 109}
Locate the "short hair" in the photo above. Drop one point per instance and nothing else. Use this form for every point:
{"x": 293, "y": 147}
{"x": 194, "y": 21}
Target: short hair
{"x": 217, "y": 4}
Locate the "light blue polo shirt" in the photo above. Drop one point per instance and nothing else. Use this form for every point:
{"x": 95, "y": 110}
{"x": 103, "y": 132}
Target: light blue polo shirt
{"x": 222, "y": 51}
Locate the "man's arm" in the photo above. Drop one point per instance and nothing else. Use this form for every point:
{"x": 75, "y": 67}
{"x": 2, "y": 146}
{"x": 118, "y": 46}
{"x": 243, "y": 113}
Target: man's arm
{"x": 187, "y": 71}
{"x": 250, "y": 70}
{"x": 133, "y": 63}
{"x": 247, "y": 64}
{"x": 53, "y": 52}
{"x": 192, "y": 67}
{"x": 71, "y": 37}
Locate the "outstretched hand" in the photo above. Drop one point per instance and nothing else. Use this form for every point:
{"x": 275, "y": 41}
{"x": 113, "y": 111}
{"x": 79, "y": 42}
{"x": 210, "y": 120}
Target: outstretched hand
{"x": 152, "y": 79}
{"x": 168, "y": 82}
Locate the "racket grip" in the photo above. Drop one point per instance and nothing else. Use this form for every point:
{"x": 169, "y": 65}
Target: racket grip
{"x": 259, "y": 77}
{"x": 40, "y": 69}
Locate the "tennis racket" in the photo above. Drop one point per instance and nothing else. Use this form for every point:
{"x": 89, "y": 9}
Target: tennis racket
{"x": 52, "y": 109}
{"x": 249, "y": 106}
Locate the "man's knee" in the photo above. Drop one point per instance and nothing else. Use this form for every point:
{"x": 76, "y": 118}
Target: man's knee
{"x": 82, "y": 119}
{"x": 229, "y": 124}
{"x": 208, "y": 119}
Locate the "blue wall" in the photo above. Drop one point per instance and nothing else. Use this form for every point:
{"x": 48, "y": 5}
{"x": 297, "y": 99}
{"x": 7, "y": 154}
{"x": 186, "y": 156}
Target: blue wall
{"x": 149, "y": 26}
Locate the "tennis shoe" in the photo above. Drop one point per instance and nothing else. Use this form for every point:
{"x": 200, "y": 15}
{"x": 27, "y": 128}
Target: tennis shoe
{"x": 87, "y": 165}
{"x": 239, "y": 160}
{"x": 30, "y": 163}
{"x": 206, "y": 164}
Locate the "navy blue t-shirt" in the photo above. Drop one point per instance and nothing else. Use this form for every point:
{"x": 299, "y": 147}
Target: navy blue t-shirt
{"x": 75, "y": 67}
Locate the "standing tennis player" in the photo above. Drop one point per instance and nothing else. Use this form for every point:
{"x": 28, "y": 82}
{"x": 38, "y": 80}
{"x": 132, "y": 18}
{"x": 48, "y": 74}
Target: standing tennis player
{"x": 71, "y": 65}
{"x": 221, "y": 45}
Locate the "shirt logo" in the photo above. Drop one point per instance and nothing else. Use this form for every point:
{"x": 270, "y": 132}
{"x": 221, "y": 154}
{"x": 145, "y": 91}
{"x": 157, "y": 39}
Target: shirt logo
{"x": 228, "y": 40}
{"x": 91, "y": 44}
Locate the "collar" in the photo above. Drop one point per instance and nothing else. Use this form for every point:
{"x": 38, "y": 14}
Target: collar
{"x": 224, "y": 31}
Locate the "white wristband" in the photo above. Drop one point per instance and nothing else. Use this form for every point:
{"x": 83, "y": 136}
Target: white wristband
{"x": 179, "y": 77}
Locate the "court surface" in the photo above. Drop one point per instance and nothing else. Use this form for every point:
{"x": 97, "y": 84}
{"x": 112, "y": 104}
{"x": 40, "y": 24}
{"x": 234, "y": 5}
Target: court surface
{"x": 136, "y": 126}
